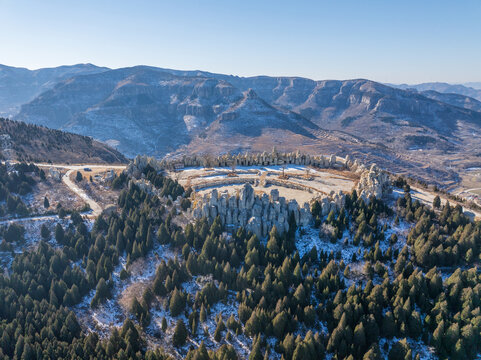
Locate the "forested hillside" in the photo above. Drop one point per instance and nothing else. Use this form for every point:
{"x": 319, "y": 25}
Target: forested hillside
{"x": 392, "y": 279}
{"x": 32, "y": 143}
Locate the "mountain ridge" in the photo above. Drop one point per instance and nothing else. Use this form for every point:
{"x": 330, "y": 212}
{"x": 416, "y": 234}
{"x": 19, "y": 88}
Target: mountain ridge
{"x": 158, "y": 111}
{"x": 442, "y": 87}
{"x": 21, "y": 85}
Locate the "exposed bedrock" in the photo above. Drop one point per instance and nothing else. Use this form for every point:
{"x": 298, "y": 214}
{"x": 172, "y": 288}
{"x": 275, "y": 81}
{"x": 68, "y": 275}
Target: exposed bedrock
{"x": 258, "y": 159}
{"x": 374, "y": 182}
{"x": 256, "y": 213}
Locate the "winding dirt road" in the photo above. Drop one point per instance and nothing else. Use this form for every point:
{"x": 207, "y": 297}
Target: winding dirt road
{"x": 96, "y": 208}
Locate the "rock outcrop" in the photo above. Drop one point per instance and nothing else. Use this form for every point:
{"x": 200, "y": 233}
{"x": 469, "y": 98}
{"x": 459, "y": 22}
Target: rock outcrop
{"x": 258, "y": 213}
{"x": 140, "y": 162}
{"x": 334, "y": 202}
{"x": 374, "y": 182}
{"x": 258, "y": 159}
{"x": 253, "y": 212}
{"x": 55, "y": 174}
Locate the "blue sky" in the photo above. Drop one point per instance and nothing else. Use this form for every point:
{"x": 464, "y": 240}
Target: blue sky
{"x": 384, "y": 40}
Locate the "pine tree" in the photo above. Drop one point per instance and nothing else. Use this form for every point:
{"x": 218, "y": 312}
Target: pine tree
{"x": 359, "y": 338}
{"x": 217, "y": 334}
{"x": 180, "y": 334}
{"x": 46, "y": 203}
{"x": 300, "y": 353}
{"x": 373, "y": 353}
{"x": 102, "y": 292}
{"x": 202, "y": 315}
{"x": 256, "y": 353}
{"x": 437, "y": 202}
{"x": 177, "y": 303}
{"x": 45, "y": 232}
{"x": 59, "y": 234}
{"x": 163, "y": 234}
{"x": 279, "y": 324}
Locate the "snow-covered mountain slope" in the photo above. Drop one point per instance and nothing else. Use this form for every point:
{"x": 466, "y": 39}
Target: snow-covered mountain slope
{"x": 159, "y": 111}
{"x": 146, "y": 110}
{"x": 19, "y": 85}
{"x": 461, "y": 101}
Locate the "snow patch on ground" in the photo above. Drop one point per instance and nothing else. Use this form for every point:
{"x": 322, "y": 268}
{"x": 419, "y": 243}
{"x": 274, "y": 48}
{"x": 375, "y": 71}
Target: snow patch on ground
{"x": 309, "y": 238}
{"x": 344, "y": 249}
{"x": 111, "y": 313}
{"x": 205, "y": 330}
{"x": 32, "y": 238}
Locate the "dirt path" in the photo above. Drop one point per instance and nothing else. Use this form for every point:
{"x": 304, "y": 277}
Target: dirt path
{"x": 80, "y": 167}
{"x": 468, "y": 190}
{"x": 96, "y": 209}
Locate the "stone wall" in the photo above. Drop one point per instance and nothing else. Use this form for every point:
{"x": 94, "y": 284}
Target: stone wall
{"x": 255, "y": 182}
{"x": 257, "y": 159}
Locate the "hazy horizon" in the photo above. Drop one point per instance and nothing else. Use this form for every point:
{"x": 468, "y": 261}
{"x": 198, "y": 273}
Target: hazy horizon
{"x": 474, "y": 84}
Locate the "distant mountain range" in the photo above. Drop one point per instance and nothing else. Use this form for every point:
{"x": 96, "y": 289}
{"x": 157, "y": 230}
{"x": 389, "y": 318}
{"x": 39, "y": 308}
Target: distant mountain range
{"x": 473, "y": 90}
{"x": 19, "y": 85}
{"x": 159, "y": 111}
{"x": 474, "y": 85}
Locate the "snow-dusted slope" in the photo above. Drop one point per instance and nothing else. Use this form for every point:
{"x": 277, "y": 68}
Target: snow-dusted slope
{"x": 143, "y": 110}
{"x": 251, "y": 116}
{"x": 454, "y": 99}
{"x": 19, "y": 85}
{"x": 158, "y": 111}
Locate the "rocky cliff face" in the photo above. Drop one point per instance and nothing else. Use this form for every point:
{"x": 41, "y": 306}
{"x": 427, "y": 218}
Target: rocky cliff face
{"x": 359, "y": 105}
{"x": 251, "y": 115}
{"x": 258, "y": 213}
{"x": 373, "y": 182}
{"x": 156, "y": 111}
{"x": 159, "y": 111}
{"x": 141, "y": 109}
